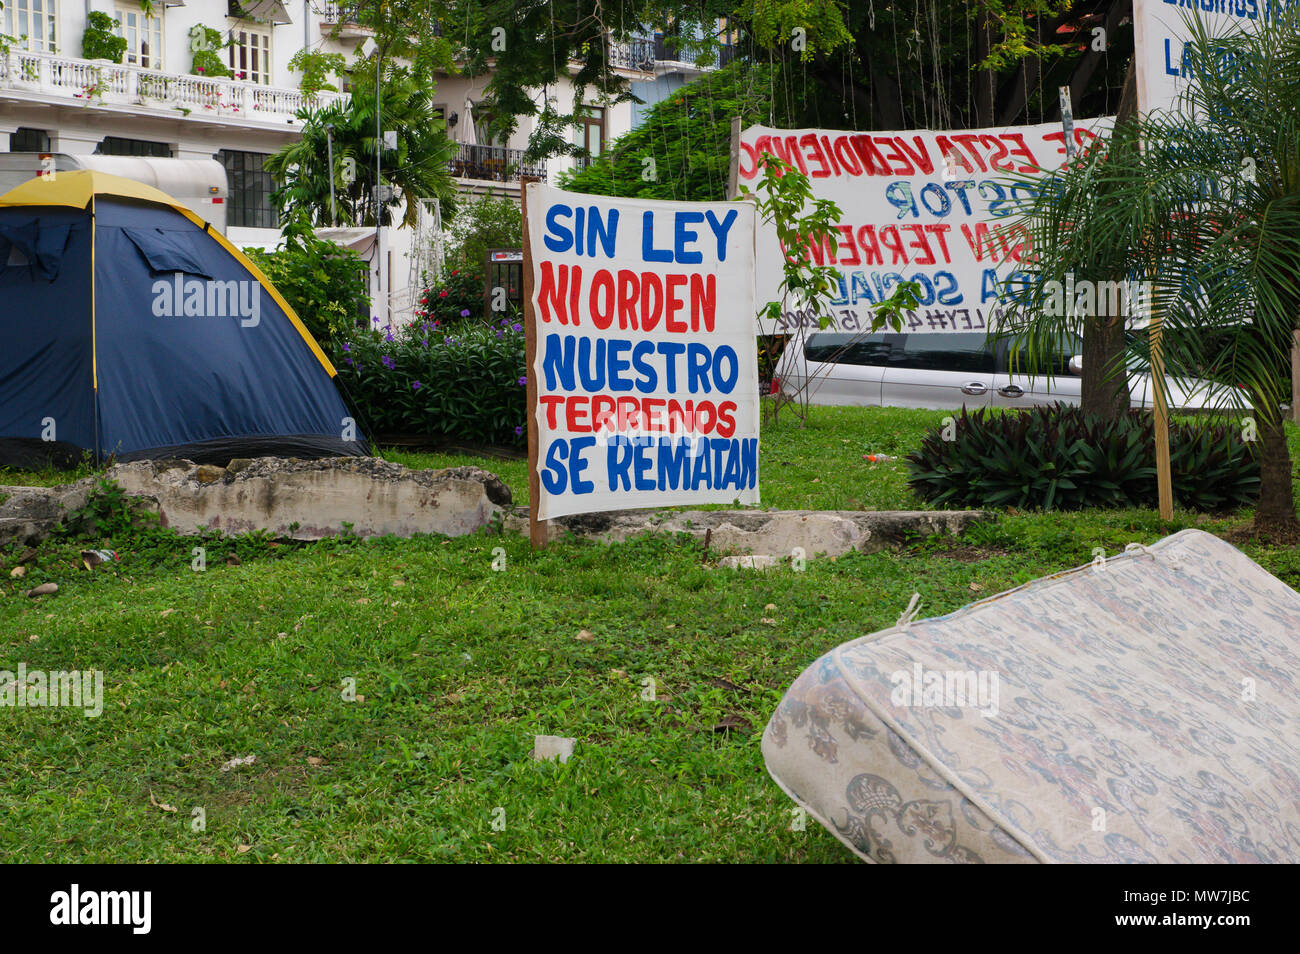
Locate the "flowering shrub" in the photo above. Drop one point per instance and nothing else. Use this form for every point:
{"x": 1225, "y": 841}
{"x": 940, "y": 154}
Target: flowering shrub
{"x": 457, "y": 384}
{"x": 455, "y": 300}
{"x": 323, "y": 283}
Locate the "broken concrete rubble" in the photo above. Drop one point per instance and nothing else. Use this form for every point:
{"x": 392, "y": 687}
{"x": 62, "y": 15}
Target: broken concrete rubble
{"x": 297, "y": 499}
{"x": 778, "y": 534}
{"x": 310, "y": 500}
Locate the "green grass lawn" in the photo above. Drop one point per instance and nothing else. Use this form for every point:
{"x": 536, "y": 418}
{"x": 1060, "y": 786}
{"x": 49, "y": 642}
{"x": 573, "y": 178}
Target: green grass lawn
{"x": 816, "y": 466}
{"x": 458, "y": 666}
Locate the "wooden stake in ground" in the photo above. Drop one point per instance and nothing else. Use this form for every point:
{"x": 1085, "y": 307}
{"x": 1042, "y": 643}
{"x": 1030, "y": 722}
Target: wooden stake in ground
{"x": 1160, "y": 420}
{"x": 536, "y": 528}
{"x": 1295, "y": 377}
{"x": 1130, "y": 105}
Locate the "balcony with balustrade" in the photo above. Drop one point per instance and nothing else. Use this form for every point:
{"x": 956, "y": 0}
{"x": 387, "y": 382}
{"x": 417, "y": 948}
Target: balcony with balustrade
{"x": 493, "y": 164}
{"x": 50, "y": 78}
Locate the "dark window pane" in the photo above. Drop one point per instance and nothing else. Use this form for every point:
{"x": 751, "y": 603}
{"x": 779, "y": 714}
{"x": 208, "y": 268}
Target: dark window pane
{"x": 858, "y": 349}
{"x": 116, "y": 146}
{"x": 29, "y": 140}
{"x": 944, "y": 352}
{"x": 250, "y": 189}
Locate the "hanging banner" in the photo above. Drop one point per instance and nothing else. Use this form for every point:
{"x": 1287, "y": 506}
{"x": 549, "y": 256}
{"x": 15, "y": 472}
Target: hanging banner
{"x": 645, "y": 365}
{"x": 934, "y": 208}
{"x": 1161, "y": 31}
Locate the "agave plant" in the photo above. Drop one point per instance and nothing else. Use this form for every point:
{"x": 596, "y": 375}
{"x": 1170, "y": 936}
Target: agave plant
{"x": 1202, "y": 203}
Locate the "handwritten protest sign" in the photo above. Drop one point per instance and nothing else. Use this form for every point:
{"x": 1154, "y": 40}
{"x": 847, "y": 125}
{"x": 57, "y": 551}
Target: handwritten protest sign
{"x": 1161, "y": 30}
{"x": 645, "y": 364}
{"x": 935, "y": 208}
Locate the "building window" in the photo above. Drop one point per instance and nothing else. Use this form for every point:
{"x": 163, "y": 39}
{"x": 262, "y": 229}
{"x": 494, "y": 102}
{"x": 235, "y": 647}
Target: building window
{"x": 115, "y": 146}
{"x": 250, "y": 54}
{"x": 250, "y": 188}
{"x": 32, "y": 23}
{"x": 591, "y": 133}
{"x": 29, "y": 140}
{"x": 144, "y": 35}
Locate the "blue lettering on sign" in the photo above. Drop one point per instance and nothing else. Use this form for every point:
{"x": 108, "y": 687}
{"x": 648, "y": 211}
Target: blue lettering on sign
{"x": 685, "y": 249}
{"x": 589, "y": 230}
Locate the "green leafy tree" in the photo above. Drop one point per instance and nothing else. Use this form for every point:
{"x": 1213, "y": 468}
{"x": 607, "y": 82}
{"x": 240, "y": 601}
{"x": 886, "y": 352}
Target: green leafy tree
{"x": 1203, "y": 202}
{"x": 783, "y": 198}
{"x": 484, "y": 223}
{"x": 324, "y": 284}
{"x": 682, "y": 147}
{"x": 418, "y": 168}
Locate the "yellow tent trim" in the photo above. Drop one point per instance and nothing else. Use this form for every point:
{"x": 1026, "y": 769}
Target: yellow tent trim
{"x": 77, "y": 190}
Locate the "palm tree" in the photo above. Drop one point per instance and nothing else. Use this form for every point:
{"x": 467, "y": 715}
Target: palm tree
{"x": 418, "y": 168}
{"x": 1203, "y": 202}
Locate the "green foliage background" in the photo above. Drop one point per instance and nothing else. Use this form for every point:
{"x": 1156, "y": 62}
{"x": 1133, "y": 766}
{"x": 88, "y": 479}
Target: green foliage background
{"x": 688, "y": 137}
{"x": 323, "y": 283}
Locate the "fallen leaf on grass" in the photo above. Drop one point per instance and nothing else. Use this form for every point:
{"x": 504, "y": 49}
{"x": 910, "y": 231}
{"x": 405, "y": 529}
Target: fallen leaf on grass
{"x": 237, "y": 762}
{"x": 734, "y": 723}
{"x": 160, "y": 805}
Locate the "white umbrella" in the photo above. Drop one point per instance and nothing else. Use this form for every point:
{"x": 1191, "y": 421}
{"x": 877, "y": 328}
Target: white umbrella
{"x": 468, "y": 136}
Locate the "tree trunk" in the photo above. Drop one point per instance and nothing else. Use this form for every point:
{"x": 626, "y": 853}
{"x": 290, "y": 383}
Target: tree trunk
{"x": 1105, "y": 382}
{"x": 1104, "y": 388}
{"x": 1275, "y": 514}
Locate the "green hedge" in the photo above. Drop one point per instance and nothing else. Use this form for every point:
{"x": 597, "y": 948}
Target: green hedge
{"x": 1058, "y": 458}
{"x": 467, "y": 384}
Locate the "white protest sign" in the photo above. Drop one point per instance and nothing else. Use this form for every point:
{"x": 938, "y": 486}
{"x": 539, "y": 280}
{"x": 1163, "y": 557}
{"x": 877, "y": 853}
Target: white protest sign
{"x": 1160, "y": 34}
{"x": 646, "y": 367}
{"x": 935, "y": 208}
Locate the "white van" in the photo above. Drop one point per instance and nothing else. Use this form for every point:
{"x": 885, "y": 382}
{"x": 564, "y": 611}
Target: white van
{"x": 199, "y": 184}
{"x": 949, "y": 371}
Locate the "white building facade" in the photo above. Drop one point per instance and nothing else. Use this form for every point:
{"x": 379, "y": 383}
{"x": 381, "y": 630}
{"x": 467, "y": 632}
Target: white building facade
{"x": 157, "y": 102}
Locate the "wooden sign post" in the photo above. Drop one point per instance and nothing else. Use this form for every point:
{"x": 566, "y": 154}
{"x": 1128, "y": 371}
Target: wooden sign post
{"x": 1160, "y": 421}
{"x": 536, "y": 528}
{"x": 1141, "y": 77}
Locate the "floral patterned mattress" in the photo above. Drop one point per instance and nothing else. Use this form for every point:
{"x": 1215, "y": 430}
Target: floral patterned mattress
{"x": 1141, "y": 709}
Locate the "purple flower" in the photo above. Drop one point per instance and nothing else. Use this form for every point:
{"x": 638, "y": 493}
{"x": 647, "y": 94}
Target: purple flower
{"x": 346, "y": 346}
{"x": 351, "y": 363}
{"x": 389, "y": 363}
{"x": 523, "y": 380}
{"x": 464, "y": 312}
{"x": 500, "y": 333}
{"x": 516, "y": 327}
{"x": 425, "y": 342}
{"x": 415, "y": 385}
{"x": 374, "y": 320}
{"x": 519, "y": 430}
{"x": 389, "y": 336}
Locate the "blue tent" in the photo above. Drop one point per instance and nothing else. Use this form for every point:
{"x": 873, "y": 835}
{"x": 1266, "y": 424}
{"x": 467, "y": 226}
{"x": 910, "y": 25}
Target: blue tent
{"x": 132, "y": 329}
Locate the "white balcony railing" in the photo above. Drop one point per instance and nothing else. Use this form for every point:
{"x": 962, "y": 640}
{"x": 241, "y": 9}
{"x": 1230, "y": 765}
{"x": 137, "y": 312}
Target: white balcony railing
{"x": 100, "y": 83}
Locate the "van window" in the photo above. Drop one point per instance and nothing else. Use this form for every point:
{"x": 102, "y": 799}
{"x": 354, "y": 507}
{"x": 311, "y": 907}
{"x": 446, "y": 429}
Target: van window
{"x": 945, "y": 352}
{"x": 857, "y": 349}
{"x": 1063, "y": 345}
